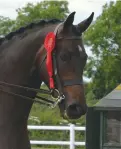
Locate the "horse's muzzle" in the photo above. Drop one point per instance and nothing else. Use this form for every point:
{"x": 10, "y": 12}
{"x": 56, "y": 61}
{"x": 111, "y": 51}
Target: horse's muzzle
{"x": 75, "y": 111}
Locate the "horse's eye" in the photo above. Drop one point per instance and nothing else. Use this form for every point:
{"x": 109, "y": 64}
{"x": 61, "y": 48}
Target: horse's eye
{"x": 65, "y": 56}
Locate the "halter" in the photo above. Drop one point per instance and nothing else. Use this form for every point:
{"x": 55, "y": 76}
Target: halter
{"x": 53, "y": 101}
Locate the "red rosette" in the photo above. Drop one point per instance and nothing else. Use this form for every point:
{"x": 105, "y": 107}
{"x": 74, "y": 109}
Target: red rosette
{"x": 49, "y": 45}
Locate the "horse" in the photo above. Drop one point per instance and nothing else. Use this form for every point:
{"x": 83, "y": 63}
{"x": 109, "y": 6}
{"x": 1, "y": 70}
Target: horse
{"x": 26, "y": 62}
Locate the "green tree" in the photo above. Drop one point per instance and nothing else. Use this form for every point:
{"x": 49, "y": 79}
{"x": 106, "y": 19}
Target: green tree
{"x": 6, "y": 25}
{"x": 42, "y": 10}
{"x": 104, "y": 38}
{"x": 31, "y": 13}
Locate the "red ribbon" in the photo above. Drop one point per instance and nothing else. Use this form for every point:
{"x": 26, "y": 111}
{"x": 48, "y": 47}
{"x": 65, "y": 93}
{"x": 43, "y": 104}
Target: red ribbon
{"x": 49, "y": 45}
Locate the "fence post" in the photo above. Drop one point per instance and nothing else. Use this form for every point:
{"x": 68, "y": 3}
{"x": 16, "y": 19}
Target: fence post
{"x": 72, "y": 136}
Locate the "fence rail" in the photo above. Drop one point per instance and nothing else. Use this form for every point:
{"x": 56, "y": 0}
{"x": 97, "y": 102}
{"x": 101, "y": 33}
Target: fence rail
{"x": 72, "y": 143}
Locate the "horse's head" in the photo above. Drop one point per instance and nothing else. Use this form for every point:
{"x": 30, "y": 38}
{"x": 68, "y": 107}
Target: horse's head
{"x": 70, "y": 59}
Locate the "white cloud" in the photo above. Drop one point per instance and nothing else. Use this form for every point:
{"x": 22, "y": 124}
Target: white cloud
{"x": 8, "y": 9}
{"x": 83, "y": 8}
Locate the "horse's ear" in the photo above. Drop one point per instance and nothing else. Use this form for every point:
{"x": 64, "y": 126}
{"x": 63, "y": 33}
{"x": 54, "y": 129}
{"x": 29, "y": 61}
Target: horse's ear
{"x": 85, "y": 24}
{"x": 69, "y": 20}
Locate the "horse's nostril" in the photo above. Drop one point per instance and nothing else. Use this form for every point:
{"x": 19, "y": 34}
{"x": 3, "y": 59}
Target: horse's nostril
{"x": 73, "y": 107}
{"x": 75, "y": 111}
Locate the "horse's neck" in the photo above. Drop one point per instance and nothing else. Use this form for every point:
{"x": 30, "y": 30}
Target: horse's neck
{"x": 17, "y": 60}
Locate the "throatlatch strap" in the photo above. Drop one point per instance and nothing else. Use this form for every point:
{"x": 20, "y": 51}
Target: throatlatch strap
{"x": 57, "y": 78}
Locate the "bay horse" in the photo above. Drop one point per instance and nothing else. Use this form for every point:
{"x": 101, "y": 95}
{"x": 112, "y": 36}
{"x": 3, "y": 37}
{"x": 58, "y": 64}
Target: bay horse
{"x": 23, "y": 67}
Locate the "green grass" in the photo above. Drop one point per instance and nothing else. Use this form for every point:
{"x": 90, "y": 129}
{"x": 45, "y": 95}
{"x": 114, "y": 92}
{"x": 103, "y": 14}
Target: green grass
{"x": 39, "y": 148}
{"x": 33, "y": 147}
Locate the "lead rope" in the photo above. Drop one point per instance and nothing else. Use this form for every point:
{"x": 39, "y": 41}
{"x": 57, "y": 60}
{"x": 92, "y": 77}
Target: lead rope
{"x": 28, "y": 98}
{"x": 36, "y": 99}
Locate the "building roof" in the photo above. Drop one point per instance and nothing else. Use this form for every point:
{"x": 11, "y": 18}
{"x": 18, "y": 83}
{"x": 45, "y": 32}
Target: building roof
{"x": 112, "y": 101}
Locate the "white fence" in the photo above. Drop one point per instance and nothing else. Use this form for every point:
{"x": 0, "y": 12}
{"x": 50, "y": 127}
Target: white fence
{"x": 72, "y": 143}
